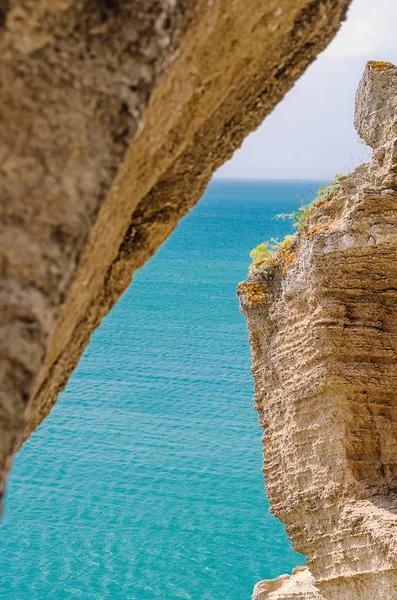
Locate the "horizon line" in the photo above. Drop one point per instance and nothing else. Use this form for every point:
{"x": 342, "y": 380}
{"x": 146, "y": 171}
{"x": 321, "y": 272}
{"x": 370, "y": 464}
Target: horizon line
{"x": 222, "y": 178}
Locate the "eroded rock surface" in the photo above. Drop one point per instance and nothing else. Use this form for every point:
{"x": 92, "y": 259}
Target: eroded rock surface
{"x": 298, "y": 586}
{"x": 114, "y": 115}
{"x": 322, "y": 325}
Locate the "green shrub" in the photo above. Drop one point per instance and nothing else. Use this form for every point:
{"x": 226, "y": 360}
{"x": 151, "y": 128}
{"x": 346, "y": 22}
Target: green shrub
{"x": 267, "y": 251}
{"x": 260, "y": 252}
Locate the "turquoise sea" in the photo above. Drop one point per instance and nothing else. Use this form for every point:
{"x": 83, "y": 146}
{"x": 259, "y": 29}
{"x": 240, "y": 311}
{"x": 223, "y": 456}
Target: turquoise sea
{"x": 145, "y": 481}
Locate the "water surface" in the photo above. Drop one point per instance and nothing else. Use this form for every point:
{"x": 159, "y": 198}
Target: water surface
{"x": 145, "y": 481}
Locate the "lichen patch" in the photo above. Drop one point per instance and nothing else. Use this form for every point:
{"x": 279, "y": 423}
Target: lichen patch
{"x": 255, "y": 292}
{"x": 380, "y": 65}
{"x": 315, "y": 230}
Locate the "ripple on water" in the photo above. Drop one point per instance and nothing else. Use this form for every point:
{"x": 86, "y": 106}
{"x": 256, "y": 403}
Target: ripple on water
{"x": 145, "y": 481}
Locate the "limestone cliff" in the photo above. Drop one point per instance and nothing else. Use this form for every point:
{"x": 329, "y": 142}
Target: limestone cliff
{"x": 114, "y": 115}
{"x": 322, "y": 325}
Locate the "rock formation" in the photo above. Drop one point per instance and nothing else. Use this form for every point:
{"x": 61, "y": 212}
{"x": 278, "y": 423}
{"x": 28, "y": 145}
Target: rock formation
{"x": 322, "y": 326}
{"x": 114, "y": 115}
{"x": 299, "y": 586}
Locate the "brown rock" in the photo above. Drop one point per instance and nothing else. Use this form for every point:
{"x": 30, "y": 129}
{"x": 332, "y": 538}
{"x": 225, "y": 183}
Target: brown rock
{"x": 324, "y": 356}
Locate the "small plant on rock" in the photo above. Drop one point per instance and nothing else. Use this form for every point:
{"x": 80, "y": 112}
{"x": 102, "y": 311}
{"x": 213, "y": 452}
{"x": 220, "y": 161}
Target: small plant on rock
{"x": 300, "y": 216}
{"x": 275, "y": 251}
{"x": 260, "y": 253}
{"x": 267, "y": 251}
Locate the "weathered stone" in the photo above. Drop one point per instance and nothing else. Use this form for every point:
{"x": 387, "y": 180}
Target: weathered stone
{"x": 114, "y": 115}
{"x": 374, "y": 106}
{"x": 323, "y": 339}
{"x": 298, "y": 586}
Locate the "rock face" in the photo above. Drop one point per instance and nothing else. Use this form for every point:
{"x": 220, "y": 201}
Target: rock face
{"x": 322, "y": 325}
{"x": 114, "y": 115}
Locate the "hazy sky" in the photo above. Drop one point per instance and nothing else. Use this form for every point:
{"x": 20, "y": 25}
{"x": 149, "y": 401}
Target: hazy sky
{"x": 310, "y": 134}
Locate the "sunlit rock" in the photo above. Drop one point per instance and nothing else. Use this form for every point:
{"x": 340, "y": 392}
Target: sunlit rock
{"x": 323, "y": 340}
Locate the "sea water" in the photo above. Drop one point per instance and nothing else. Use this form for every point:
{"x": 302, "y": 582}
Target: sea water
{"x": 145, "y": 481}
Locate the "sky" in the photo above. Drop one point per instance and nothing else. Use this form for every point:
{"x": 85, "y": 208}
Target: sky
{"x": 310, "y": 133}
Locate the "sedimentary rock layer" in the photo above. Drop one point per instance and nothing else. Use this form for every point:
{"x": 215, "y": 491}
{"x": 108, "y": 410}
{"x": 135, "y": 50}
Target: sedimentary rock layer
{"x": 114, "y": 115}
{"x": 323, "y": 331}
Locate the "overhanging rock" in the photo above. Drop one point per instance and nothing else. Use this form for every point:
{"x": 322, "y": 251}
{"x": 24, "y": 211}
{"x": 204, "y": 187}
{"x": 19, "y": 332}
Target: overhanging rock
{"x": 114, "y": 115}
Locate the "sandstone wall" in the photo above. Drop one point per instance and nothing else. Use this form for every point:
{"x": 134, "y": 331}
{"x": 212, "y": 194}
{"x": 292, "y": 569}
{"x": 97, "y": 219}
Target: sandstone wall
{"x": 323, "y": 331}
{"x": 114, "y": 114}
